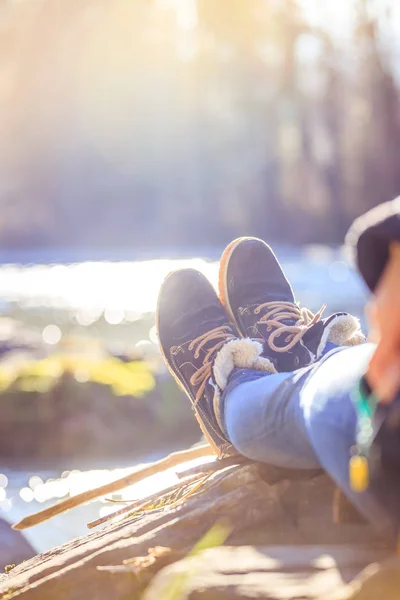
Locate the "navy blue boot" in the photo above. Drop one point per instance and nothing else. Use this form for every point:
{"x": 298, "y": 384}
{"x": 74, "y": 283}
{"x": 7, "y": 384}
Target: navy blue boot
{"x": 201, "y": 348}
{"x": 260, "y": 302}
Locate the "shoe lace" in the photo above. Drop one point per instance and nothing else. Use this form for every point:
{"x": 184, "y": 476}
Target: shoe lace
{"x": 202, "y": 375}
{"x": 279, "y": 311}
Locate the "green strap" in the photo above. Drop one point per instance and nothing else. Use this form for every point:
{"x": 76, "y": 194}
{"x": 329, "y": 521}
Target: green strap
{"x": 365, "y": 407}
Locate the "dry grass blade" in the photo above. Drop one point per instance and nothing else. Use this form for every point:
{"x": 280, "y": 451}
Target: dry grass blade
{"x": 138, "y": 505}
{"x": 154, "y": 504}
{"x": 170, "y": 461}
{"x": 118, "y": 513}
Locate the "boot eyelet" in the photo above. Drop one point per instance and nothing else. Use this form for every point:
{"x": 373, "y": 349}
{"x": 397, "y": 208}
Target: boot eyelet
{"x": 296, "y": 361}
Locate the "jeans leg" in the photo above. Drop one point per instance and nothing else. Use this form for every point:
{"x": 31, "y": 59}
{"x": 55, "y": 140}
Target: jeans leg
{"x": 264, "y": 420}
{"x": 307, "y": 419}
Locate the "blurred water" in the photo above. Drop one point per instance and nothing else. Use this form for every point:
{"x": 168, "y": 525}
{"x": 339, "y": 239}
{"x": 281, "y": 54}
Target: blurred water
{"x": 123, "y": 290}
{"x": 23, "y": 493}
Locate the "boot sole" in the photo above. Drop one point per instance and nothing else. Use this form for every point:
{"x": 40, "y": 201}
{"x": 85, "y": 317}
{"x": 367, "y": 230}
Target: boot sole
{"x": 179, "y": 382}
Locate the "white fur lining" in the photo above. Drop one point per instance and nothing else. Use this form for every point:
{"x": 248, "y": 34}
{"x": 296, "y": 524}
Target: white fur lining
{"x": 217, "y": 404}
{"x": 343, "y": 330}
{"x": 241, "y": 354}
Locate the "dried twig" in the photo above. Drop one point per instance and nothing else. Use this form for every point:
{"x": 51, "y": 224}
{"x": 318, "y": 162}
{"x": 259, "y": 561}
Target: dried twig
{"x": 170, "y": 461}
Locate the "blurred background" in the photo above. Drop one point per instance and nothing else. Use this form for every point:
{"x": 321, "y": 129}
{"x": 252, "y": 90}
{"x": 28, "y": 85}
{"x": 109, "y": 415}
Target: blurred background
{"x": 140, "y": 136}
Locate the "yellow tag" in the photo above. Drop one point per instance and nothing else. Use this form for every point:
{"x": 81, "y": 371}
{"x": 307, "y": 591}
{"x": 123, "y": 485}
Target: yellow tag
{"x": 358, "y": 473}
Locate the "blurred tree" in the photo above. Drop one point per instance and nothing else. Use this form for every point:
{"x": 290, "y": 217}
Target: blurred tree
{"x": 185, "y": 123}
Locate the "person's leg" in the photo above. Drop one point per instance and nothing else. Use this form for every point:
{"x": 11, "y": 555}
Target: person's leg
{"x": 307, "y": 419}
{"x": 264, "y": 420}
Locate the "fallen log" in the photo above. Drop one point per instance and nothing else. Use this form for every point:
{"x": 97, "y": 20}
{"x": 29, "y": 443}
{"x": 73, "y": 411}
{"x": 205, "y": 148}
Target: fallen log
{"x": 283, "y": 512}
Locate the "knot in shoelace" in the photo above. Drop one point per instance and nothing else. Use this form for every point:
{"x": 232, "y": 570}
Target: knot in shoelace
{"x": 276, "y": 312}
{"x": 202, "y": 375}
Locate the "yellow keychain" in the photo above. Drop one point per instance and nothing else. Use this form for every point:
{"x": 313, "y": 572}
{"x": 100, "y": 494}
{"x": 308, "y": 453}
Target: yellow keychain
{"x": 359, "y": 473}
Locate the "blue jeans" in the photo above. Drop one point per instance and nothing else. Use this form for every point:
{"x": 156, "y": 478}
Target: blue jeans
{"x": 307, "y": 420}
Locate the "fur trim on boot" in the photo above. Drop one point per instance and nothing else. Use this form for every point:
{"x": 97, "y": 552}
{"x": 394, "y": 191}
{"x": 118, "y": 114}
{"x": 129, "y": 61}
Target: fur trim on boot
{"x": 343, "y": 330}
{"x": 239, "y": 354}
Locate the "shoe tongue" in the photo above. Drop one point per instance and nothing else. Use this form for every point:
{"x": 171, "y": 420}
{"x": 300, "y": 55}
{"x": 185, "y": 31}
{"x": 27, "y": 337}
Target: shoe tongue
{"x": 289, "y": 321}
{"x": 313, "y": 335}
{"x": 263, "y": 326}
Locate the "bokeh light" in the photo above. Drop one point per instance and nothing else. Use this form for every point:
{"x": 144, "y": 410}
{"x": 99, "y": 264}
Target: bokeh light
{"x": 27, "y": 494}
{"x": 51, "y": 334}
{"x": 6, "y": 505}
{"x": 35, "y": 481}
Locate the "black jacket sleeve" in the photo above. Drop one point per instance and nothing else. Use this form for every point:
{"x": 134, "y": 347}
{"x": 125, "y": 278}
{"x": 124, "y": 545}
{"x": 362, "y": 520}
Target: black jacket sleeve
{"x": 370, "y": 237}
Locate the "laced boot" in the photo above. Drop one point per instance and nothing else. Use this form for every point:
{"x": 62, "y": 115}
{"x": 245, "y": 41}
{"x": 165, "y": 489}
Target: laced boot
{"x": 201, "y": 348}
{"x": 260, "y": 302}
